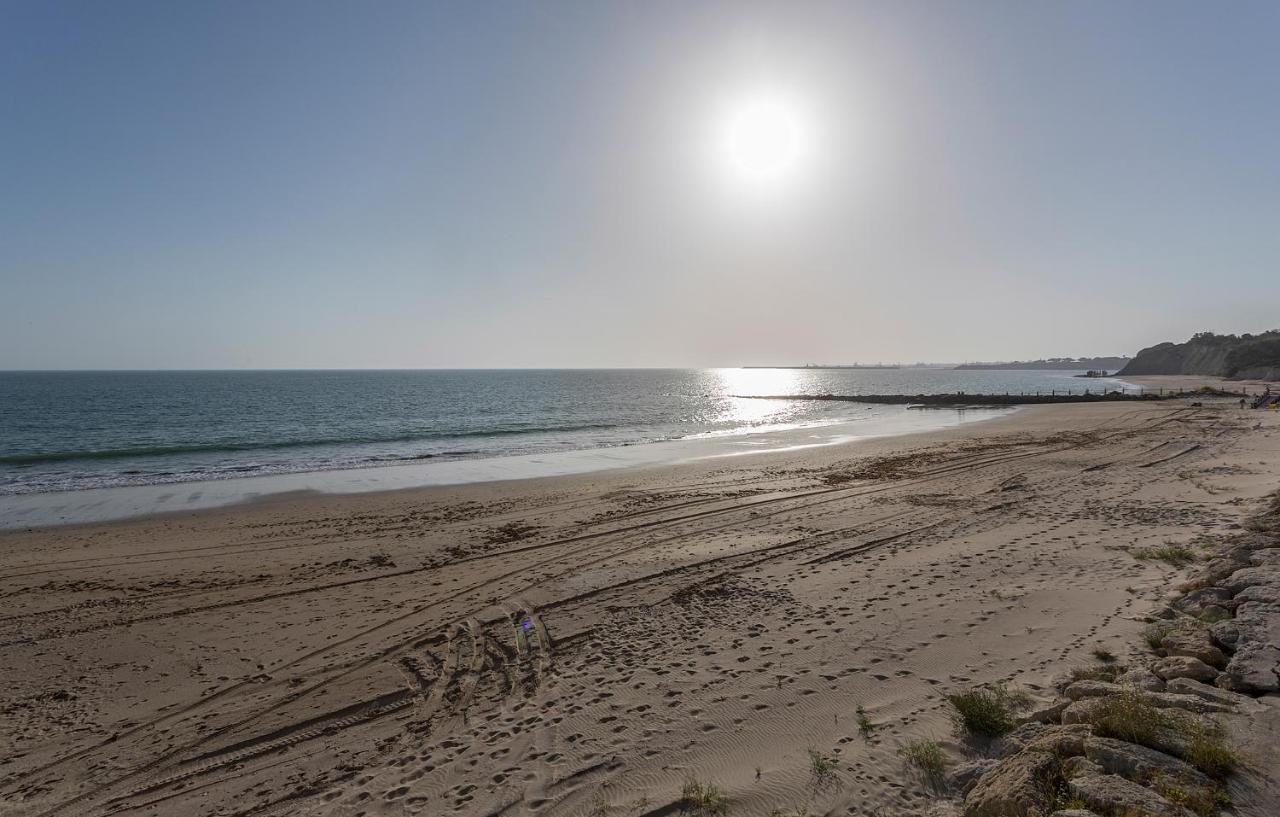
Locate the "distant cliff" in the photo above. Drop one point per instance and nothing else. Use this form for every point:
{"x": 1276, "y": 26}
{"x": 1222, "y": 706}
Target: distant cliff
{"x": 1254, "y": 357}
{"x": 1070, "y": 363}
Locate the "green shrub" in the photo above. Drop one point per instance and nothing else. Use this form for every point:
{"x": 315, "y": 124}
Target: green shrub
{"x": 821, "y": 767}
{"x": 927, "y": 756}
{"x": 865, "y": 726}
{"x": 1155, "y": 633}
{"x": 1176, "y": 555}
{"x": 987, "y": 711}
{"x": 1108, "y": 672}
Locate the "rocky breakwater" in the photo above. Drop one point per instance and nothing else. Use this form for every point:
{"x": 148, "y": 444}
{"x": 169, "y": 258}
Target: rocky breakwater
{"x": 1192, "y": 728}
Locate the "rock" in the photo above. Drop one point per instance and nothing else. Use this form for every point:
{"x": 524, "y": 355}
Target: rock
{"x": 1141, "y": 678}
{"x": 1182, "y": 666}
{"x": 1265, "y": 556}
{"x": 1253, "y": 668}
{"x": 962, "y": 778}
{"x": 1186, "y": 686}
{"x": 1195, "y": 601}
{"x": 1015, "y": 786}
{"x": 1214, "y": 571}
{"x": 1091, "y": 689}
{"x": 1049, "y": 712}
{"x": 1109, "y": 794}
{"x": 1187, "y": 703}
{"x": 1255, "y": 659}
{"x": 1165, "y": 740}
{"x": 1216, "y": 612}
{"x": 1078, "y": 765}
{"x": 1063, "y": 741}
{"x": 1141, "y": 763}
{"x": 1074, "y": 812}
{"x": 1264, "y": 593}
{"x": 1017, "y": 740}
{"x": 1193, "y": 642}
{"x": 1250, "y": 576}
{"x": 1082, "y": 711}
{"x": 1225, "y": 633}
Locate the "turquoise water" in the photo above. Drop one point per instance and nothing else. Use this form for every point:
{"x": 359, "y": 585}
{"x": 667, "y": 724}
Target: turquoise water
{"x": 70, "y": 430}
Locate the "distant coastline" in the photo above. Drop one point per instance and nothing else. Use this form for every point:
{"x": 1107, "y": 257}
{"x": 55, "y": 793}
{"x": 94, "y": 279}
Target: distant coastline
{"x": 1052, "y": 364}
{"x": 826, "y": 366}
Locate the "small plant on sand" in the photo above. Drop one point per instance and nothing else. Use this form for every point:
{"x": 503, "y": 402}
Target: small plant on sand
{"x": 927, "y": 756}
{"x": 987, "y": 711}
{"x": 699, "y": 799}
{"x": 1104, "y": 656}
{"x": 822, "y": 768}
{"x": 1176, "y": 555}
{"x": 865, "y": 726}
{"x": 1106, "y": 672}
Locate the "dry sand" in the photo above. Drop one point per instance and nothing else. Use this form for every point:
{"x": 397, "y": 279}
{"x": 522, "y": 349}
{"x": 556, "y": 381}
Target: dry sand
{"x": 584, "y": 645}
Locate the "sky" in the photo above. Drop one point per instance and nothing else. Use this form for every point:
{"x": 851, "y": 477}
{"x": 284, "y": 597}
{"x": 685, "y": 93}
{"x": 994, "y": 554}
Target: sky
{"x": 539, "y": 184}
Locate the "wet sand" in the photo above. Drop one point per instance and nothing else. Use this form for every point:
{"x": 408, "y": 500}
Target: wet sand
{"x": 584, "y": 645}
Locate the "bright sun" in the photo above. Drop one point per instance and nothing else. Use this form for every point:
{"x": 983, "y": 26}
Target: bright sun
{"x": 763, "y": 140}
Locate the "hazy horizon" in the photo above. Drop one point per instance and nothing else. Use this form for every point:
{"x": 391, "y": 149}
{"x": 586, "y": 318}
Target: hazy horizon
{"x": 572, "y": 185}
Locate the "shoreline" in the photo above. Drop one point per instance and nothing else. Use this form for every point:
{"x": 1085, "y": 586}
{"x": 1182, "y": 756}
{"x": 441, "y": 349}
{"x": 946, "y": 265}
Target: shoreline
{"x": 104, "y": 504}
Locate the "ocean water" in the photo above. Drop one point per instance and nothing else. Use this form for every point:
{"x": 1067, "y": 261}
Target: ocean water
{"x": 70, "y": 430}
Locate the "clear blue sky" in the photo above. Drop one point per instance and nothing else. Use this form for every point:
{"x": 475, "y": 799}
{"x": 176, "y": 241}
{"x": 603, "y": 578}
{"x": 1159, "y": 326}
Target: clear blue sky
{"x": 279, "y": 184}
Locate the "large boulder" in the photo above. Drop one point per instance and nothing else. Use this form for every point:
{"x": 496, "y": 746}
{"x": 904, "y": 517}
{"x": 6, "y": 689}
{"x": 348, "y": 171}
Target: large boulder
{"x": 1255, "y": 660}
{"x": 1109, "y": 794}
{"x": 962, "y": 778}
{"x": 1047, "y": 711}
{"x": 1141, "y": 763}
{"x": 1170, "y": 741}
{"x": 1253, "y": 668}
{"x": 1195, "y": 602}
{"x": 1063, "y": 741}
{"x": 1141, "y": 678}
{"x": 1265, "y": 556}
{"x": 1186, "y": 686}
{"x": 1183, "y": 666}
{"x": 1083, "y": 710}
{"x": 1015, "y": 786}
{"x": 1250, "y": 576}
{"x": 1194, "y": 642}
{"x": 1091, "y": 689}
{"x": 1263, "y": 593}
{"x": 1078, "y": 765}
{"x": 1226, "y": 634}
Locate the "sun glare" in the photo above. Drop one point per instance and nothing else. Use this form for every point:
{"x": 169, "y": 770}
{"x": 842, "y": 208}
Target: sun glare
{"x": 763, "y": 140}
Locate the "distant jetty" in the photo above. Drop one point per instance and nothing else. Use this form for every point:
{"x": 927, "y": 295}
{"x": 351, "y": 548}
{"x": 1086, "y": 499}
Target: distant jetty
{"x": 962, "y": 399}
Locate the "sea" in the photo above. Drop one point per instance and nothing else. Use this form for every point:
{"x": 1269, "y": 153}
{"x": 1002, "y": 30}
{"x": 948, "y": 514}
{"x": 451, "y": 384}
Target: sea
{"x": 69, "y": 431}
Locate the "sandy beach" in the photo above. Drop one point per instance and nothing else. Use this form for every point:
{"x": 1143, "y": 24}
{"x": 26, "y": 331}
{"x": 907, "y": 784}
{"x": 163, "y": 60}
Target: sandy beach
{"x": 586, "y": 644}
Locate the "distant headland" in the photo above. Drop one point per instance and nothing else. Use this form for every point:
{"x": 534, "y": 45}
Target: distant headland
{"x": 1240, "y": 357}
